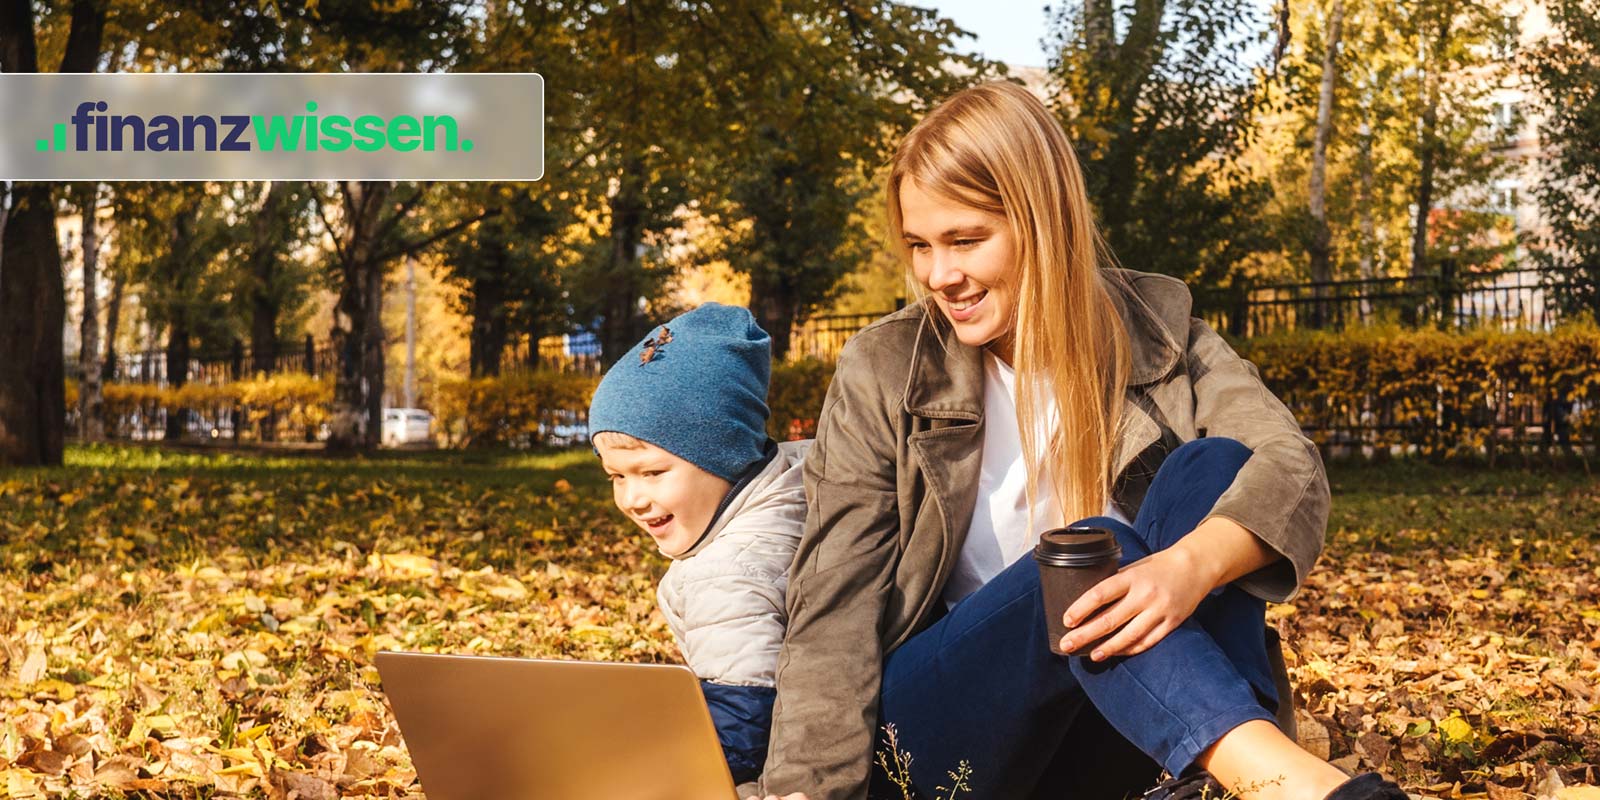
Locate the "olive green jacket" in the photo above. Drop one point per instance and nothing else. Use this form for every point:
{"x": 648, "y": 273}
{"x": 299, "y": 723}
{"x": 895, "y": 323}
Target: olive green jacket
{"x": 892, "y": 480}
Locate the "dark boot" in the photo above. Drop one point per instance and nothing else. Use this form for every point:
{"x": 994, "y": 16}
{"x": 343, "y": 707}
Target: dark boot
{"x": 1368, "y": 786}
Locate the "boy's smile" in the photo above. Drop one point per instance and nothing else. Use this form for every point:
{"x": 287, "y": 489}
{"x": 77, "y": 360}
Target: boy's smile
{"x": 668, "y": 497}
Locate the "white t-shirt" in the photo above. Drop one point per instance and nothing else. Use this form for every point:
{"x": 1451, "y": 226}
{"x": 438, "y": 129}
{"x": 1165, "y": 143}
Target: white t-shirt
{"x": 1000, "y": 533}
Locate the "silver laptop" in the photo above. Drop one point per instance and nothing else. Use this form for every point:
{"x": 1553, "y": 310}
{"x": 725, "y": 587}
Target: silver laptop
{"x": 482, "y": 728}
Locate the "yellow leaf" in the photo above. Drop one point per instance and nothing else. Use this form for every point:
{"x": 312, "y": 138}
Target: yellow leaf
{"x": 403, "y": 566}
{"x": 488, "y": 583}
{"x": 162, "y": 724}
{"x": 591, "y": 631}
{"x": 1578, "y": 793}
{"x": 1456, "y": 729}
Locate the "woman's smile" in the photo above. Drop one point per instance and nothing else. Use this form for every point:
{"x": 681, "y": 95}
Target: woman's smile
{"x": 966, "y": 308}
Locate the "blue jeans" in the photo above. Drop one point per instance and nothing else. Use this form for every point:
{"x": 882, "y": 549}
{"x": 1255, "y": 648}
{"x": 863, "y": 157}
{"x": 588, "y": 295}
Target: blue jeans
{"x": 980, "y": 685}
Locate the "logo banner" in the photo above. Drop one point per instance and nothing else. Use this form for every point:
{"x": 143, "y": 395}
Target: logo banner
{"x": 260, "y": 126}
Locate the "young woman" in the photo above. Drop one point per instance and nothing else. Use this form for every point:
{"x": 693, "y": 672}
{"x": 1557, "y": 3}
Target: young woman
{"x": 1034, "y": 386}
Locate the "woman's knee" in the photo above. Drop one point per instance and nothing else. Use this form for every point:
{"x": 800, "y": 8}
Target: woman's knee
{"x": 1212, "y": 455}
{"x": 1187, "y": 485}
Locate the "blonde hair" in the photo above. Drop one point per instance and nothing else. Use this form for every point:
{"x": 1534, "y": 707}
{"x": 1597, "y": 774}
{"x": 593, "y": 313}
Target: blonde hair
{"x": 996, "y": 148}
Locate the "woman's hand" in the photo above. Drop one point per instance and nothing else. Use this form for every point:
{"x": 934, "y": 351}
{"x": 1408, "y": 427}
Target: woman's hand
{"x": 1155, "y": 594}
{"x": 1147, "y": 598}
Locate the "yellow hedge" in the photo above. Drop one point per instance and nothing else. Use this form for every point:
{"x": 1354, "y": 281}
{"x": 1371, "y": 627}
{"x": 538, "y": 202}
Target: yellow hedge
{"x": 1443, "y": 393}
{"x": 511, "y": 409}
{"x": 293, "y": 399}
{"x": 795, "y": 397}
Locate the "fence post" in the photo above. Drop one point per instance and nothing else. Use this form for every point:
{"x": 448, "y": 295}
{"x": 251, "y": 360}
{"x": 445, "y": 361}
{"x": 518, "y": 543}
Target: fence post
{"x": 1239, "y": 320}
{"x": 311, "y": 356}
{"x": 236, "y": 369}
{"x": 1447, "y": 290}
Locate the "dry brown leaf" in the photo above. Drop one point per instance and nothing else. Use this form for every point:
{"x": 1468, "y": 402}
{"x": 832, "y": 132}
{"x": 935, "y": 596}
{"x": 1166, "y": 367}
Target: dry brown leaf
{"x": 1498, "y": 792}
{"x": 1313, "y": 735}
{"x": 49, "y": 762}
{"x": 117, "y": 772}
{"x": 287, "y": 785}
{"x": 33, "y": 666}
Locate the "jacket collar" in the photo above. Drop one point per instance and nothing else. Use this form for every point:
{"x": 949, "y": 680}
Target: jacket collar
{"x": 946, "y": 377}
{"x": 719, "y": 517}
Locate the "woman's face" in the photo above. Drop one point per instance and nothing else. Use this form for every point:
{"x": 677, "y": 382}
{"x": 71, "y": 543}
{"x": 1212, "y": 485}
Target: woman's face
{"x": 966, "y": 259}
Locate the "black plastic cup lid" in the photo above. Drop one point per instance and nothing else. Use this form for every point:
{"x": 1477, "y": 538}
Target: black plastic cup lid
{"x": 1078, "y": 542}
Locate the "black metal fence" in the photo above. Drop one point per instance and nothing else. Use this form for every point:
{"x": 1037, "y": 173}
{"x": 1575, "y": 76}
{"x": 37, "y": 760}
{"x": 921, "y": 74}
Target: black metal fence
{"x": 824, "y": 336}
{"x": 218, "y": 366}
{"x": 1514, "y": 299}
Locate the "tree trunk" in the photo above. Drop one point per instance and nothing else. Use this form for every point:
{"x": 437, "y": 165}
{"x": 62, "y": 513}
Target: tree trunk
{"x": 357, "y": 416}
{"x": 264, "y": 306}
{"x": 1364, "y": 202}
{"x": 1321, "y": 257}
{"x": 619, "y": 328}
{"x": 5, "y": 209}
{"x": 410, "y": 384}
{"x": 32, "y": 297}
{"x": 91, "y": 427}
{"x": 108, "y": 367}
{"x": 1429, "y": 144}
{"x": 177, "y": 371}
{"x": 32, "y": 313}
{"x": 489, "y": 329}
{"x": 775, "y": 313}
{"x": 1424, "y": 197}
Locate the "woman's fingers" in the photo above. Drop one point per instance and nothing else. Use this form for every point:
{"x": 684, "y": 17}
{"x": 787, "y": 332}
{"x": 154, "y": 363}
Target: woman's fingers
{"x": 1098, "y": 595}
{"x": 1100, "y": 625}
{"x": 1135, "y": 632}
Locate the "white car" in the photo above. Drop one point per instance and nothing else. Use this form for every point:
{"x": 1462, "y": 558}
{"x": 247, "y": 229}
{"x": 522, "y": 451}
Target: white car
{"x": 403, "y": 426}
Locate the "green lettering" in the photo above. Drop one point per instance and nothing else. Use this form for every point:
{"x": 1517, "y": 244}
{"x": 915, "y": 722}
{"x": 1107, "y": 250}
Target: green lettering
{"x": 369, "y": 133}
{"x": 431, "y": 123}
{"x": 276, "y": 128}
{"x": 336, "y": 133}
{"x": 403, "y": 132}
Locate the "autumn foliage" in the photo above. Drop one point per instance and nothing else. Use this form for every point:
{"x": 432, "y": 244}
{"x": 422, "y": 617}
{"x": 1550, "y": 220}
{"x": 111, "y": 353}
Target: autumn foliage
{"x": 178, "y": 625}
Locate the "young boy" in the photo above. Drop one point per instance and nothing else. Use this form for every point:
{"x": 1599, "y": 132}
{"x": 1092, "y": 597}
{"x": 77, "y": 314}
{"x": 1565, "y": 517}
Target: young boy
{"x": 679, "y": 424}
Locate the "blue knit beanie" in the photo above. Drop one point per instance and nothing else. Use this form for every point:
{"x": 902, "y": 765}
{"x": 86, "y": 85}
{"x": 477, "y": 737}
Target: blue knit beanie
{"x": 695, "y": 387}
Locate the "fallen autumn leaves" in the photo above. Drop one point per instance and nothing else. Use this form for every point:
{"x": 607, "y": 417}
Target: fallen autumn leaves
{"x": 180, "y": 626}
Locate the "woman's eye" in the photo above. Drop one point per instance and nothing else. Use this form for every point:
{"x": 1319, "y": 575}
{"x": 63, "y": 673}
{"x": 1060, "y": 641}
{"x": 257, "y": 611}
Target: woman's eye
{"x": 917, "y": 247}
{"x": 966, "y": 243}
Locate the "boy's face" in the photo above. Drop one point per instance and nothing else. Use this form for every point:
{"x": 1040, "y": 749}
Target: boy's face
{"x": 670, "y": 498}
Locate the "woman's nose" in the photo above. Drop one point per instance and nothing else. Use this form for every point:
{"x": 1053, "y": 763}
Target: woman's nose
{"x": 943, "y": 273}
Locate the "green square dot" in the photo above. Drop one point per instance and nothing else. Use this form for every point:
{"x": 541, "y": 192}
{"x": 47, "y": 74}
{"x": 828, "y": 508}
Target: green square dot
{"x": 42, "y": 145}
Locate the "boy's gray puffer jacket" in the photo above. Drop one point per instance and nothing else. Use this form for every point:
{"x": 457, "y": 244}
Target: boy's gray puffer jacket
{"x": 724, "y": 599}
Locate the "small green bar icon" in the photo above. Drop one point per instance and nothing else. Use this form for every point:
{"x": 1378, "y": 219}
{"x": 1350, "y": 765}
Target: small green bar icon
{"x": 61, "y": 136}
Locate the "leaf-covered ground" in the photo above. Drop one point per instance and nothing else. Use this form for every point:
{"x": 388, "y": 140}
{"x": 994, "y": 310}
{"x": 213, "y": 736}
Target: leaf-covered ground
{"x": 198, "y": 625}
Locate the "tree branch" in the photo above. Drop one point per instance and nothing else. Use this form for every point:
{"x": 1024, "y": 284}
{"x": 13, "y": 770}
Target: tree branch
{"x": 408, "y": 249}
{"x": 327, "y": 224}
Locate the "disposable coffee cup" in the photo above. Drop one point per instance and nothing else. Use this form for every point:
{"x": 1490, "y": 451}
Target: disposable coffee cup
{"x": 1071, "y": 560}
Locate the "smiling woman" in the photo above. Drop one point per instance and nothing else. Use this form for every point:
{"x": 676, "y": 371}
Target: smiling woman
{"x": 1034, "y": 387}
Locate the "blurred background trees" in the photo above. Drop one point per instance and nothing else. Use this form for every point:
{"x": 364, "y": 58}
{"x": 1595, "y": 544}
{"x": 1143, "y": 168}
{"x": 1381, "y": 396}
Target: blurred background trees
{"x": 734, "y": 151}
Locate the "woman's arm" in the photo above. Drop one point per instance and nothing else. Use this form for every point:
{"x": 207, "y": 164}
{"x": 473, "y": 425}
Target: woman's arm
{"x": 1265, "y": 532}
{"x": 832, "y": 659}
{"x": 1281, "y": 494}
